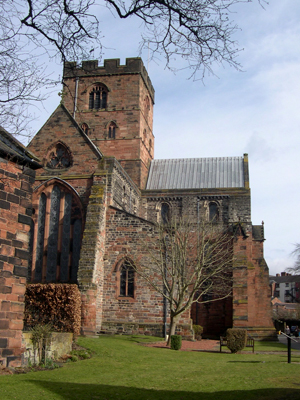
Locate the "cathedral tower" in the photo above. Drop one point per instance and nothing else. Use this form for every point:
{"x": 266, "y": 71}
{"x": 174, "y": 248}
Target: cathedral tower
{"x": 113, "y": 105}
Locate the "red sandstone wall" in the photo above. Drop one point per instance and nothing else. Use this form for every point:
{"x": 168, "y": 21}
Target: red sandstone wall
{"x": 127, "y": 237}
{"x": 59, "y": 127}
{"x": 251, "y": 294}
{"x": 15, "y": 211}
{"x": 134, "y": 139}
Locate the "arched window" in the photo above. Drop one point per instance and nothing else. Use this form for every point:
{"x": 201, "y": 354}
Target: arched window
{"x": 213, "y": 212}
{"x": 124, "y": 196}
{"x": 85, "y": 128}
{"x": 57, "y": 234}
{"x": 165, "y": 213}
{"x": 112, "y": 130}
{"x": 98, "y": 98}
{"x": 126, "y": 280}
{"x": 146, "y": 106}
{"x": 58, "y": 157}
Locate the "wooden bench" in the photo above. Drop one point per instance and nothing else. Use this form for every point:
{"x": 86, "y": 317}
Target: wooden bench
{"x": 250, "y": 342}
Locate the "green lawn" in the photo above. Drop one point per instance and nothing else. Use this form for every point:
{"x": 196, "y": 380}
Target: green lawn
{"x": 123, "y": 369}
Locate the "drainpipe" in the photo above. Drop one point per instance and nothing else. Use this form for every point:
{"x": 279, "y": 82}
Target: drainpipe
{"x": 165, "y": 292}
{"x": 75, "y": 98}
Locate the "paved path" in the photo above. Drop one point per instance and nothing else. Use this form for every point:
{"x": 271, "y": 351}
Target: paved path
{"x": 295, "y": 345}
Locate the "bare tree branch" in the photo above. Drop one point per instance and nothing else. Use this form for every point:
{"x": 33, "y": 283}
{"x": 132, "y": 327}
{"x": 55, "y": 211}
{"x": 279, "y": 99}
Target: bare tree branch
{"x": 198, "y": 31}
{"x": 295, "y": 270}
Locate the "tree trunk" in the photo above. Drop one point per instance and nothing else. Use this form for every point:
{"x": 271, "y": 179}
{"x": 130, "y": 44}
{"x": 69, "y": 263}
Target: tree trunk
{"x": 172, "y": 330}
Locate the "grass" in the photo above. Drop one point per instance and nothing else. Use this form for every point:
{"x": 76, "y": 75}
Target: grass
{"x": 121, "y": 369}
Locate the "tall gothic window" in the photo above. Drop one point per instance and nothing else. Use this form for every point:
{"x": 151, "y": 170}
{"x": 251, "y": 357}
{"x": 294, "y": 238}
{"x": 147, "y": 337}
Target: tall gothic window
{"x": 56, "y": 235}
{"x": 126, "y": 280}
{"x": 98, "y": 98}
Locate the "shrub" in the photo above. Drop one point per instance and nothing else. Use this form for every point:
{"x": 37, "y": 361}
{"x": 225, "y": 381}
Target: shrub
{"x": 198, "y": 330}
{"x": 175, "y": 342}
{"x": 40, "y": 337}
{"x": 236, "y": 339}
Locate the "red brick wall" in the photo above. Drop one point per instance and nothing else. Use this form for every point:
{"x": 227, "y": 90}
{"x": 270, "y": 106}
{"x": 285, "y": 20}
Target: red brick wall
{"x": 15, "y": 219}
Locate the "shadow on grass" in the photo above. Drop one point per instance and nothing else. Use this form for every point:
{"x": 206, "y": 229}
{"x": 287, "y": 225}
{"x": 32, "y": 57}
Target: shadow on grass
{"x": 71, "y": 391}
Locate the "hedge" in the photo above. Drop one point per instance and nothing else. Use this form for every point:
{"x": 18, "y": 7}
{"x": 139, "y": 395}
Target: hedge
{"x": 57, "y": 304}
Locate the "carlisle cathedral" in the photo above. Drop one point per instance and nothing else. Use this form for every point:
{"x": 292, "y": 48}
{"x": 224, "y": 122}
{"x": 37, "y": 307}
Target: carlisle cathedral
{"x": 100, "y": 190}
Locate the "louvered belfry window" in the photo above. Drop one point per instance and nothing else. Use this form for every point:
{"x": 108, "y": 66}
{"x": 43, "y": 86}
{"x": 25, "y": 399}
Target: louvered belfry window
{"x": 98, "y": 98}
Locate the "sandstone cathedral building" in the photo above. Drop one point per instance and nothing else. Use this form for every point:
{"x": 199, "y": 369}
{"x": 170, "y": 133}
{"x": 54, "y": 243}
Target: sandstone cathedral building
{"x": 100, "y": 190}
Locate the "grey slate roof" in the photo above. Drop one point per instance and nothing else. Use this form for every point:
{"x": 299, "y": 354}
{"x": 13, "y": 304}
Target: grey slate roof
{"x": 12, "y": 149}
{"x": 196, "y": 173}
{"x": 283, "y": 279}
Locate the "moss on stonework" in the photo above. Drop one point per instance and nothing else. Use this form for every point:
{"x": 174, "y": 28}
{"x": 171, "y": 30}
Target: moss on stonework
{"x": 240, "y": 302}
{"x": 250, "y": 265}
{"x": 97, "y": 191}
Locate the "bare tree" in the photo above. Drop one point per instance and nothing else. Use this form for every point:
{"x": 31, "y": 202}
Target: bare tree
{"x": 188, "y": 263}
{"x": 198, "y": 31}
{"x": 295, "y": 270}
{"x": 29, "y": 30}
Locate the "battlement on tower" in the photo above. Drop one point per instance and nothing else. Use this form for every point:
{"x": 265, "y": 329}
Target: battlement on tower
{"x": 112, "y": 66}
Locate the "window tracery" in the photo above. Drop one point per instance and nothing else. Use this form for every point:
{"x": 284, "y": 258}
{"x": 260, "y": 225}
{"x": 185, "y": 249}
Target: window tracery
{"x": 59, "y": 157}
{"x": 58, "y": 231}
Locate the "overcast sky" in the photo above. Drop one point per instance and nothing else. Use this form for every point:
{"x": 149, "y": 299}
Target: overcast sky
{"x": 256, "y": 111}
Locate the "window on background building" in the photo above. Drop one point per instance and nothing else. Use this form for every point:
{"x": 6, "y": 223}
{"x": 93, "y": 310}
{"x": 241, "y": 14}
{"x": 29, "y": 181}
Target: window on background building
{"x": 213, "y": 212}
{"x": 287, "y": 284}
{"x": 126, "y": 280}
{"x": 98, "y": 98}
